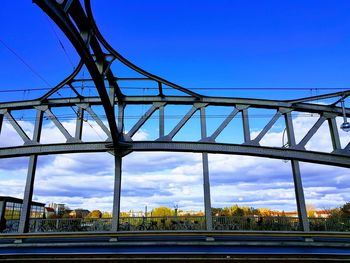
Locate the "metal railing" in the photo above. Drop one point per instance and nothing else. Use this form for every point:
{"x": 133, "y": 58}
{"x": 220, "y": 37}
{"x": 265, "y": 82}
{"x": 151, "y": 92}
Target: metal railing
{"x": 11, "y": 226}
{"x": 181, "y": 223}
{"x": 70, "y": 225}
{"x": 167, "y": 223}
{"x": 255, "y": 223}
{"x": 330, "y": 224}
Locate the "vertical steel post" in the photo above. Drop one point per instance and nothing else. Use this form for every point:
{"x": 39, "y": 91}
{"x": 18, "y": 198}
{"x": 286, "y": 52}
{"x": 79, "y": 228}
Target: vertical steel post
{"x": 333, "y": 129}
{"x": 28, "y": 192}
{"x": 1, "y": 121}
{"x": 121, "y": 107}
{"x": 299, "y": 194}
{"x": 207, "y": 199}
{"x": 2, "y": 210}
{"x": 79, "y": 124}
{"x": 117, "y": 192}
{"x": 245, "y": 121}
{"x": 298, "y": 186}
{"x": 206, "y": 181}
{"x": 161, "y": 121}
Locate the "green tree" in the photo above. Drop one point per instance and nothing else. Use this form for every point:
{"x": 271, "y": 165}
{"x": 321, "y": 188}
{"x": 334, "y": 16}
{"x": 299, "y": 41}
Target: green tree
{"x": 234, "y": 210}
{"x": 249, "y": 211}
{"x": 106, "y": 215}
{"x": 336, "y": 213}
{"x": 216, "y": 211}
{"x": 346, "y": 209}
{"x": 124, "y": 214}
{"x": 163, "y": 211}
{"x": 237, "y": 211}
{"x": 66, "y": 214}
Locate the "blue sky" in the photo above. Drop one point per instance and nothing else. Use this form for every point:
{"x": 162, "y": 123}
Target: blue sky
{"x": 197, "y": 44}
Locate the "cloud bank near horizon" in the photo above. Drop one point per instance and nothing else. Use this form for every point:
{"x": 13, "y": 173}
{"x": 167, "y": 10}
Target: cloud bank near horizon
{"x": 155, "y": 179}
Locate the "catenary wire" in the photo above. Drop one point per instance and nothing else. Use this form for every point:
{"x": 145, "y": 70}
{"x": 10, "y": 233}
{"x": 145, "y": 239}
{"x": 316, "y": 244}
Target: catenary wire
{"x": 60, "y": 42}
{"x": 25, "y": 63}
{"x": 143, "y": 88}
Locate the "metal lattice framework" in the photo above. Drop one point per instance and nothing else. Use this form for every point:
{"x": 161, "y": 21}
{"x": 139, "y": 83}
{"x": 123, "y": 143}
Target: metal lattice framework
{"x": 77, "y": 23}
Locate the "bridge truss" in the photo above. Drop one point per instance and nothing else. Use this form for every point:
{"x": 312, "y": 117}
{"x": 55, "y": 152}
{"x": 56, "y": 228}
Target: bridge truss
{"x": 76, "y": 21}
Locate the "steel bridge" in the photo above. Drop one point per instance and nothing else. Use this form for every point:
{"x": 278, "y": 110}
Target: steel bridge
{"x": 76, "y": 21}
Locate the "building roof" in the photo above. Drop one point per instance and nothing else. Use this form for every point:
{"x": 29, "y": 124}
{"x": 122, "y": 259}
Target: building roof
{"x": 49, "y": 209}
{"x": 18, "y": 200}
{"x": 323, "y": 212}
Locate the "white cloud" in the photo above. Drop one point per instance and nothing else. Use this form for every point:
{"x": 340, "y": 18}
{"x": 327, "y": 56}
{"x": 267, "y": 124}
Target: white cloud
{"x": 302, "y": 123}
{"x": 154, "y": 178}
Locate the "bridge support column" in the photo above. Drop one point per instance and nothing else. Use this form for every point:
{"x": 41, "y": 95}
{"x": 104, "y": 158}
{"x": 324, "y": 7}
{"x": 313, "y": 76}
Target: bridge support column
{"x": 2, "y": 212}
{"x": 206, "y": 181}
{"x": 28, "y": 192}
{"x": 298, "y": 186}
{"x": 28, "y": 195}
{"x": 207, "y": 199}
{"x": 299, "y": 194}
{"x": 117, "y": 191}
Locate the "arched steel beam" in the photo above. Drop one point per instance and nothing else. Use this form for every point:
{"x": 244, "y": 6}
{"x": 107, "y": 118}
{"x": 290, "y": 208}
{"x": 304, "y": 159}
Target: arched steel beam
{"x": 64, "y": 82}
{"x": 127, "y": 62}
{"x": 76, "y": 11}
{"x": 80, "y": 40}
{"x": 195, "y": 147}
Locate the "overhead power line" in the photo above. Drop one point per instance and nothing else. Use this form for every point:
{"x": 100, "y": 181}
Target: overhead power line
{"x": 165, "y": 88}
{"x": 25, "y": 63}
{"x": 60, "y": 42}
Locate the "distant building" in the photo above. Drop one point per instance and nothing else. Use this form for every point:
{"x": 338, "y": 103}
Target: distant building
{"x": 289, "y": 214}
{"x": 79, "y": 213}
{"x": 10, "y": 208}
{"x": 58, "y": 208}
{"x": 318, "y": 213}
{"x": 322, "y": 213}
{"x": 49, "y": 212}
{"x": 132, "y": 213}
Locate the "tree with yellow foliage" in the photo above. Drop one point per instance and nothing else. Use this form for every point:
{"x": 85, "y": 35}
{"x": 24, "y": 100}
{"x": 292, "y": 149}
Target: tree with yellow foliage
{"x": 265, "y": 211}
{"x": 94, "y": 214}
{"x": 163, "y": 211}
{"x": 311, "y": 210}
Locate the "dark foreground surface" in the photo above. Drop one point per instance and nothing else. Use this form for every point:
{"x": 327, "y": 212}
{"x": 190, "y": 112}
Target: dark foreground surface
{"x": 176, "y": 247}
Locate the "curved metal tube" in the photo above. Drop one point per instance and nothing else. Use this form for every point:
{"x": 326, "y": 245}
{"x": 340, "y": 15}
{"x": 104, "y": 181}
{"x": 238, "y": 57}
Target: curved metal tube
{"x": 127, "y": 62}
{"x": 194, "y": 147}
{"x": 64, "y": 82}
{"x": 69, "y": 29}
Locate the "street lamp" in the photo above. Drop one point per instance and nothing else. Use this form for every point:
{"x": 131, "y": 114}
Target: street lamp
{"x": 345, "y": 126}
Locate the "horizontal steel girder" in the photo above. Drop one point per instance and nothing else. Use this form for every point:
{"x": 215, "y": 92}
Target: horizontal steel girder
{"x": 195, "y": 147}
{"x": 179, "y": 100}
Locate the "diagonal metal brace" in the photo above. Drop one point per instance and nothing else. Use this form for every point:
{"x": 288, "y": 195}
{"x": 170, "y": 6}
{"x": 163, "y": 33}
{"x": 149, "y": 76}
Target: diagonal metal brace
{"x": 311, "y": 133}
{"x": 144, "y": 118}
{"x": 265, "y": 129}
{"x": 18, "y": 129}
{"x": 97, "y": 119}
